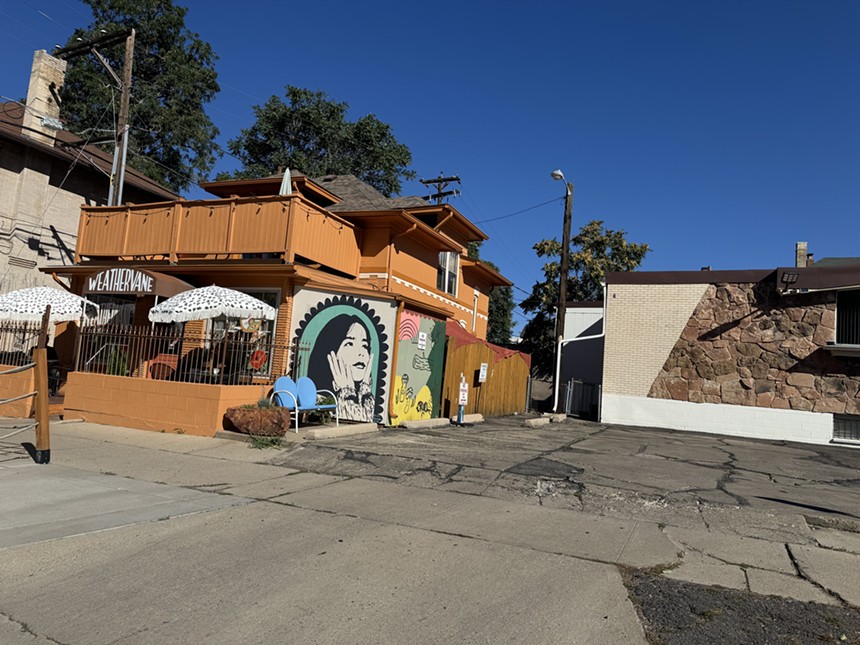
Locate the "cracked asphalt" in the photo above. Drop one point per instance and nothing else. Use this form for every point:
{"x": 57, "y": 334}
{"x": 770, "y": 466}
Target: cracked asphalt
{"x": 768, "y": 534}
{"x": 573, "y": 532}
{"x": 684, "y": 479}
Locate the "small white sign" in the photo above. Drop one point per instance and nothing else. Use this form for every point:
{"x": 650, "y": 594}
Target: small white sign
{"x": 464, "y": 394}
{"x": 482, "y": 375}
{"x": 422, "y": 340}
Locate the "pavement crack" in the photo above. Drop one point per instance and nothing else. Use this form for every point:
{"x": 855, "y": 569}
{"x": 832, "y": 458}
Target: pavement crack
{"x": 25, "y": 628}
{"x": 727, "y": 479}
{"x": 803, "y": 576}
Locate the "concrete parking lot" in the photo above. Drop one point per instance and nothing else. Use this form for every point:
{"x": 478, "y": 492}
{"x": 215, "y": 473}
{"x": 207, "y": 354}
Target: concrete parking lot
{"x": 575, "y": 532}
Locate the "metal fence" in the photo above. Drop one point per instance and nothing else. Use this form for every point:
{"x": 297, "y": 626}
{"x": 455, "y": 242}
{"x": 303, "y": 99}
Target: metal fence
{"x": 182, "y": 354}
{"x": 581, "y": 399}
{"x": 17, "y": 340}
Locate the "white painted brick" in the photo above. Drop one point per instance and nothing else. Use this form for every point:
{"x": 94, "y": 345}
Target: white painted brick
{"x": 732, "y": 420}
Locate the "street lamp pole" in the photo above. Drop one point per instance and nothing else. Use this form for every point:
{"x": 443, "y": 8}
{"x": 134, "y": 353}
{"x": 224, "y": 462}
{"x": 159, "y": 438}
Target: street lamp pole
{"x": 565, "y": 258}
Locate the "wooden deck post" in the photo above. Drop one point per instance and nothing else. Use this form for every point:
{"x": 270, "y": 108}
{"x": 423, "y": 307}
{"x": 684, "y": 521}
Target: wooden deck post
{"x": 43, "y": 431}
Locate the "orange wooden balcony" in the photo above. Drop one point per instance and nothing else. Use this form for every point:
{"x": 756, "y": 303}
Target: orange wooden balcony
{"x": 277, "y": 226}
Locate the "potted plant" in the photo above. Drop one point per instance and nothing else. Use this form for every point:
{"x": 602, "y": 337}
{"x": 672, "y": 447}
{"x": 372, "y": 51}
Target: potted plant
{"x": 262, "y": 419}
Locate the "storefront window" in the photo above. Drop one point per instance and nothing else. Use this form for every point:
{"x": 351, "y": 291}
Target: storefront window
{"x": 113, "y": 309}
{"x": 251, "y": 336}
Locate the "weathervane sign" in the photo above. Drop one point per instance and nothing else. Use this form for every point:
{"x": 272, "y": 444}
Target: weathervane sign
{"x": 121, "y": 280}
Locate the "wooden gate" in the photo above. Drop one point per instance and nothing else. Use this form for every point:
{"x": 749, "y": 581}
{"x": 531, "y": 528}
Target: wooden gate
{"x": 506, "y": 386}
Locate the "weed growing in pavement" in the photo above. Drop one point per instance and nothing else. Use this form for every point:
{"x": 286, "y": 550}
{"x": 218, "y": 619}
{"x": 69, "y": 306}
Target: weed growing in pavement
{"x": 261, "y": 443}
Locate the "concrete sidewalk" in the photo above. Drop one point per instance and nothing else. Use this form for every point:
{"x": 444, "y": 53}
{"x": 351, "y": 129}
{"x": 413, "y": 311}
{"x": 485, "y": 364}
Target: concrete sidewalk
{"x": 284, "y": 566}
{"x": 398, "y": 561}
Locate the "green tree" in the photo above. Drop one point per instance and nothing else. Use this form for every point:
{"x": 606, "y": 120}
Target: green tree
{"x": 501, "y": 306}
{"x": 594, "y": 252}
{"x": 310, "y": 132}
{"x": 171, "y": 137}
{"x": 500, "y": 316}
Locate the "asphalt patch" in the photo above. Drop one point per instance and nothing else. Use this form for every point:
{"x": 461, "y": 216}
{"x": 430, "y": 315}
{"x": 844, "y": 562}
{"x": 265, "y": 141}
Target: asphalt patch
{"x": 675, "y": 613}
{"x": 546, "y": 468}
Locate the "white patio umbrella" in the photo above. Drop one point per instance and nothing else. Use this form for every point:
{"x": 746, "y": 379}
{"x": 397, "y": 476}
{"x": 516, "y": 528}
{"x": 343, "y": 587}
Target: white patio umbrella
{"x": 29, "y": 304}
{"x": 210, "y": 302}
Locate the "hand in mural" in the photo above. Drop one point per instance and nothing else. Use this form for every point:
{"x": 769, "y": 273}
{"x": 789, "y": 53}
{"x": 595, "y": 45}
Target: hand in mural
{"x": 346, "y": 375}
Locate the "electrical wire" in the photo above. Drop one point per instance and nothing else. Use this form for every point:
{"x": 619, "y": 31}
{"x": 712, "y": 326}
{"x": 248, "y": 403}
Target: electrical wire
{"x": 525, "y": 210}
{"x": 41, "y": 219}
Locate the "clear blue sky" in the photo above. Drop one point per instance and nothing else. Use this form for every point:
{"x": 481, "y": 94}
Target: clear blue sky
{"x": 720, "y": 133}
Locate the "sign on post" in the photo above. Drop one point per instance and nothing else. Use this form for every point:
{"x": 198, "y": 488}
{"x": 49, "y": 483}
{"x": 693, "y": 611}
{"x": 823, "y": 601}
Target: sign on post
{"x": 482, "y": 374}
{"x": 463, "y": 401}
{"x": 464, "y": 393}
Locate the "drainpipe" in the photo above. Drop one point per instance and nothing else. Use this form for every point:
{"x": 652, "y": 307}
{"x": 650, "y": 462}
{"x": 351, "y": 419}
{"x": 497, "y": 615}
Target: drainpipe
{"x": 391, "y": 416}
{"x": 474, "y": 309}
{"x": 561, "y": 345}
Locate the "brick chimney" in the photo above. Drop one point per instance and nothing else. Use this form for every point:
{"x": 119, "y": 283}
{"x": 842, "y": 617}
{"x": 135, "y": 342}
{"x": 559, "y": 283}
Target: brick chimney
{"x": 46, "y": 80}
{"x": 800, "y": 254}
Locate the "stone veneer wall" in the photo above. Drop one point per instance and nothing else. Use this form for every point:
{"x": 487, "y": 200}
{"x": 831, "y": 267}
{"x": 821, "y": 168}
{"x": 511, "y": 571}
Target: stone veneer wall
{"x": 747, "y": 345}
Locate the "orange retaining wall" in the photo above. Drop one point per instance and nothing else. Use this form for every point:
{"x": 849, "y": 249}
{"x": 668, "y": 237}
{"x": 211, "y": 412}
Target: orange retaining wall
{"x": 12, "y": 385}
{"x": 165, "y": 406}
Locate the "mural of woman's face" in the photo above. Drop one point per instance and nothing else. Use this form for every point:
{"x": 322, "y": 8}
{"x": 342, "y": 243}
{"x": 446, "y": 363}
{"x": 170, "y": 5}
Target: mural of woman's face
{"x": 354, "y": 352}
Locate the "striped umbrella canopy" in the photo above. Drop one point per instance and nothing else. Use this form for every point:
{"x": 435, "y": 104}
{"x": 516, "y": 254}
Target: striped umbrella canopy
{"x": 30, "y": 304}
{"x": 210, "y": 302}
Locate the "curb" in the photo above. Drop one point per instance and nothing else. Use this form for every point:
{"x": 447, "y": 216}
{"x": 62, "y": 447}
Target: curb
{"x": 333, "y": 432}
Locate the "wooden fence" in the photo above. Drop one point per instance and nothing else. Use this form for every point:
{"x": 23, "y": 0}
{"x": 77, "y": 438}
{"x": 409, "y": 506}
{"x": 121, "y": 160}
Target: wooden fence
{"x": 505, "y": 389}
{"x": 14, "y": 336}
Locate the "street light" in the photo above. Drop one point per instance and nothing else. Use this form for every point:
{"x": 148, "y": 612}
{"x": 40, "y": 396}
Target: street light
{"x": 558, "y": 175}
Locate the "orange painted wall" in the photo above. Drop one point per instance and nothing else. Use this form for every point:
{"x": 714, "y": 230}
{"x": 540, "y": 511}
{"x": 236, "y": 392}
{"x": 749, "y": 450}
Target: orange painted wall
{"x": 12, "y": 385}
{"x": 374, "y": 249}
{"x": 414, "y": 262}
{"x": 167, "y": 406}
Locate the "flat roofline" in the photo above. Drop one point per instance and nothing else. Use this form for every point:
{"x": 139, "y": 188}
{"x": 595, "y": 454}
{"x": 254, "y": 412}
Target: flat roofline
{"x": 688, "y": 277}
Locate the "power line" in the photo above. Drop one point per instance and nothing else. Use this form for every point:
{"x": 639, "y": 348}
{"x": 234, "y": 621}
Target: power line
{"x": 525, "y": 210}
{"x": 56, "y": 192}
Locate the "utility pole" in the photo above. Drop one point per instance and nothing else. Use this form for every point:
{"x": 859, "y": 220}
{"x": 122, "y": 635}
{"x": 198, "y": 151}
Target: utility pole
{"x": 558, "y": 175}
{"x": 565, "y": 264}
{"x": 441, "y": 184}
{"x": 120, "y": 153}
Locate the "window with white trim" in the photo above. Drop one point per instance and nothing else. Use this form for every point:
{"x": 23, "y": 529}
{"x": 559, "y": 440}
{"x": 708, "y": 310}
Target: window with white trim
{"x": 448, "y": 271}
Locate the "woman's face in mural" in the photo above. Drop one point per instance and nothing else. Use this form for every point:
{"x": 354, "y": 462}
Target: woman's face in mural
{"x": 352, "y": 360}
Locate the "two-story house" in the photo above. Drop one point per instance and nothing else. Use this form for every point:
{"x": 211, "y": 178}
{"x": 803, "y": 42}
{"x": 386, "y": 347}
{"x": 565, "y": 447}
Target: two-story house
{"x": 363, "y": 285}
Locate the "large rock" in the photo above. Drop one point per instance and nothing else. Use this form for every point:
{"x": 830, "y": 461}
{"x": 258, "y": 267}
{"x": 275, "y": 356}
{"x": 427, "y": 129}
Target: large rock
{"x": 800, "y": 379}
{"x": 835, "y": 406}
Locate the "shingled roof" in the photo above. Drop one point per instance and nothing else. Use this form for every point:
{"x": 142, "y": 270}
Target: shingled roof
{"x": 359, "y": 196}
{"x": 67, "y": 147}
{"x": 836, "y": 262}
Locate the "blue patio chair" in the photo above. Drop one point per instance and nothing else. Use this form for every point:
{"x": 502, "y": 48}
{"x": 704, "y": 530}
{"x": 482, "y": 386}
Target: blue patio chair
{"x": 309, "y": 395}
{"x": 301, "y": 397}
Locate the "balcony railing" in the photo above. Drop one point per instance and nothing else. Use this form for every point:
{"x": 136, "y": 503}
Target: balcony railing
{"x": 286, "y": 227}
